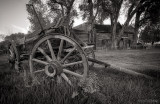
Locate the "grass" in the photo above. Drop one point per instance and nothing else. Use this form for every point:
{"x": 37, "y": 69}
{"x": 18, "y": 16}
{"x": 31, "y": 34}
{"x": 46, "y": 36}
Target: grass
{"x": 120, "y": 88}
{"x": 113, "y": 88}
{"x": 12, "y": 90}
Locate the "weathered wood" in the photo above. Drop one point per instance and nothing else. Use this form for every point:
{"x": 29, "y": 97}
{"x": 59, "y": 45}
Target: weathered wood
{"x": 88, "y": 46}
{"x": 85, "y": 47}
{"x": 54, "y": 64}
{"x": 98, "y": 62}
{"x": 31, "y": 39}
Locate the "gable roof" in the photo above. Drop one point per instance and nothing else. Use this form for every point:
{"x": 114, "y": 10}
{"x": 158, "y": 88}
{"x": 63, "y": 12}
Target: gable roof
{"x": 106, "y": 28}
{"x": 102, "y": 28}
{"x": 84, "y": 26}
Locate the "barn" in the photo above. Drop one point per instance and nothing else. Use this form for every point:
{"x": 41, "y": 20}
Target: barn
{"x": 102, "y": 35}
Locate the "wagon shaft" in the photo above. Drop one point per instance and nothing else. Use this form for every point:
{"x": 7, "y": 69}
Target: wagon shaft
{"x": 98, "y": 62}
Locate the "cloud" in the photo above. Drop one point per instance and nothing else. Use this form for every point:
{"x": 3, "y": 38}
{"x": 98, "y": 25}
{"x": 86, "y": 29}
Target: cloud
{"x": 19, "y": 29}
{"x": 1, "y": 32}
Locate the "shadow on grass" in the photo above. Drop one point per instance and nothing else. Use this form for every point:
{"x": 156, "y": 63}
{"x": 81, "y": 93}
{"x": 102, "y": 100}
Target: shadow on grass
{"x": 151, "y": 72}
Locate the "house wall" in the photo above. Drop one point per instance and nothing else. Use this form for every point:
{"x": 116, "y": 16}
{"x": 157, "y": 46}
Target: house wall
{"x": 129, "y": 35}
{"x": 127, "y": 41}
{"x": 103, "y": 40}
{"x": 83, "y": 37}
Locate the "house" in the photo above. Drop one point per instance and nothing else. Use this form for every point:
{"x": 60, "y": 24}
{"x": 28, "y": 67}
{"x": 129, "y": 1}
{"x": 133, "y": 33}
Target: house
{"x": 102, "y": 35}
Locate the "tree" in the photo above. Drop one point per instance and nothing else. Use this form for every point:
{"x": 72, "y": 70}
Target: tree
{"x": 90, "y": 10}
{"x": 14, "y": 36}
{"x": 148, "y": 12}
{"x": 150, "y": 34}
{"x": 44, "y": 14}
{"x": 101, "y": 16}
{"x": 112, "y": 7}
{"x": 64, "y": 8}
{"x": 132, "y": 7}
{"x": 2, "y": 36}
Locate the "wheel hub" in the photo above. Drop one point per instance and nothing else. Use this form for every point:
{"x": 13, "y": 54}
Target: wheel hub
{"x": 54, "y": 68}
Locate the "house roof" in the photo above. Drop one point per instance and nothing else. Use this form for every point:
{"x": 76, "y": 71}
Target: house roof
{"x": 129, "y": 29}
{"x": 106, "y": 28}
{"x": 80, "y": 31}
{"x": 84, "y": 26}
{"x": 102, "y": 28}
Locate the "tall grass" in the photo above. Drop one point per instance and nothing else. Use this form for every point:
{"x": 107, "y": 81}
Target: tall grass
{"x": 117, "y": 87}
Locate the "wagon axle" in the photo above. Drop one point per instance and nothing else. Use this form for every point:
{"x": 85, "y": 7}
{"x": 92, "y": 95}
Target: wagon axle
{"x": 53, "y": 68}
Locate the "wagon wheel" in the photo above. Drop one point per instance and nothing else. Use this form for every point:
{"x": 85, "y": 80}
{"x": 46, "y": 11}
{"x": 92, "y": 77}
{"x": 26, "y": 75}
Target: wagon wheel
{"x": 47, "y": 61}
{"x": 13, "y": 57}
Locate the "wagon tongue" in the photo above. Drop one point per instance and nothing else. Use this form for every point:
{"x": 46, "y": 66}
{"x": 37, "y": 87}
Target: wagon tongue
{"x": 54, "y": 68}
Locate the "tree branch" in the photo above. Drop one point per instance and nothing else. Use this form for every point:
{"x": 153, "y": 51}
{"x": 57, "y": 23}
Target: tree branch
{"x": 135, "y": 10}
{"x": 55, "y": 1}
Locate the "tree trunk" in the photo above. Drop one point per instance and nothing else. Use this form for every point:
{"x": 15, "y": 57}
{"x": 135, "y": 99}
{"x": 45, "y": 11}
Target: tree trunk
{"x": 121, "y": 33}
{"x": 114, "y": 41}
{"x": 91, "y": 21}
{"x": 152, "y": 43}
{"x": 135, "y": 37}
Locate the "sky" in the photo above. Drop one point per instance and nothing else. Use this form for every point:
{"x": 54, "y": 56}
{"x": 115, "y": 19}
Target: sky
{"x": 13, "y": 17}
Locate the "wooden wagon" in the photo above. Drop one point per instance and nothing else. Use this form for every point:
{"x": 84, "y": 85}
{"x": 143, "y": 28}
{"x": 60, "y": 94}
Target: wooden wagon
{"x": 53, "y": 52}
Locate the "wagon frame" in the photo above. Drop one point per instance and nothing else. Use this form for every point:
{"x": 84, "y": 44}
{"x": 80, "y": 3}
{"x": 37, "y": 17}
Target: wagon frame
{"x": 52, "y": 61}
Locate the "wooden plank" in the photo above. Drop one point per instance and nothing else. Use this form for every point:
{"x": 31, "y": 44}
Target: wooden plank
{"x": 98, "y": 62}
{"x": 87, "y": 47}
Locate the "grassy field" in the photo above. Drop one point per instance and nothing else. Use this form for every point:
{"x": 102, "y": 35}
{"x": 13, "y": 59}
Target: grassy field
{"x": 143, "y": 61}
{"x": 112, "y": 86}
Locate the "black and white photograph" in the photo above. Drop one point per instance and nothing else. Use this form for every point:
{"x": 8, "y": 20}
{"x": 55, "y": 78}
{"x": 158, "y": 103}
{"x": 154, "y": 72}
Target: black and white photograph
{"x": 79, "y": 51}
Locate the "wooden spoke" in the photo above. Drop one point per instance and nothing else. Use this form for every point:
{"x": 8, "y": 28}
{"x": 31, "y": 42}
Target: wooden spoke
{"x": 59, "y": 79}
{"x": 66, "y": 78}
{"x": 37, "y": 71}
{"x": 44, "y": 53}
{"x": 40, "y": 61}
{"x": 73, "y": 63}
{"x": 61, "y": 56}
{"x": 72, "y": 73}
{"x": 68, "y": 55}
{"x": 60, "y": 49}
{"x": 51, "y": 50}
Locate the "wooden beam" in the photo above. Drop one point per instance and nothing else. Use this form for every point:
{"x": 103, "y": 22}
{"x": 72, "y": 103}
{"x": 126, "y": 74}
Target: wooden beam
{"x": 98, "y": 62}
